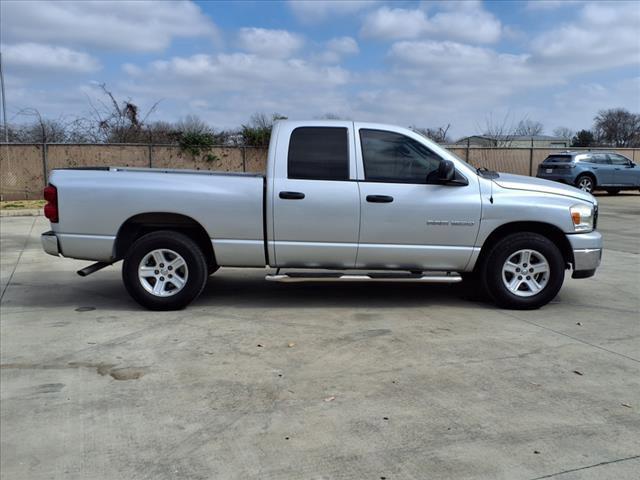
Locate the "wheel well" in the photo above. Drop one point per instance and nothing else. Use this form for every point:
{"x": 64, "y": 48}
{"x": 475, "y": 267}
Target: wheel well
{"x": 144, "y": 223}
{"x": 547, "y": 230}
{"x": 590, "y": 175}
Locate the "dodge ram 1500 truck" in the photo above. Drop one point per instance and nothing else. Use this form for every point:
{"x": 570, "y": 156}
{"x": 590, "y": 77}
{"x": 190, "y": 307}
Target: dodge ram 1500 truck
{"x": 340, "y": 201}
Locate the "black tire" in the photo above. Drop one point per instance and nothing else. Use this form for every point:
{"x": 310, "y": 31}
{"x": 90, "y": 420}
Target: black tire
{"x": 586, "y": 183}
{"x": 168, "y": 240}
{"x": 492, "y": 266}
{"x": 613, "y": 191}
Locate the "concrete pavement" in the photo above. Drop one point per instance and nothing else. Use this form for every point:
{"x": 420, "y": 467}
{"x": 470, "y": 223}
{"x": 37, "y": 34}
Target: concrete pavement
{"x": 335, "y": 381}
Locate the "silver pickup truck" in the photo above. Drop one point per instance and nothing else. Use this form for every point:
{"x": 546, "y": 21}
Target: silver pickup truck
{"x": 340, "y": 201}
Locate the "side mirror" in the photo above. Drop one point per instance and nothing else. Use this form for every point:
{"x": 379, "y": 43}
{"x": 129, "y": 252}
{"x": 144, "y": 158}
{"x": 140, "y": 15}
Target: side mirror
{"x": 446, "y": 171}
{"x": 631, "y": 164}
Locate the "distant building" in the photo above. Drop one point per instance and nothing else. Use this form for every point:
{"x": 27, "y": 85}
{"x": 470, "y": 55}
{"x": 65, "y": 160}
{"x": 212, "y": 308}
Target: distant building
{"x": 537, "y": 141}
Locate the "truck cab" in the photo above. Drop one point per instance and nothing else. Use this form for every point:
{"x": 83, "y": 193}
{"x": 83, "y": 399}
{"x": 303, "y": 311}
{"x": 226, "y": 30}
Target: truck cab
{"x": 367, "y": 196}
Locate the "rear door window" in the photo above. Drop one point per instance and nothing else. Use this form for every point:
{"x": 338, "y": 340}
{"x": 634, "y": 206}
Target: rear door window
{"x": 599, "y": 158}
{"x": 319, "y": 153}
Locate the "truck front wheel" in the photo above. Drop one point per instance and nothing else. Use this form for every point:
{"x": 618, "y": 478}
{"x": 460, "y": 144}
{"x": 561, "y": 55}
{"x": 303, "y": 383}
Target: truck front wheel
{"x": 164, "y": 270}
{"x": 523, "y": 271}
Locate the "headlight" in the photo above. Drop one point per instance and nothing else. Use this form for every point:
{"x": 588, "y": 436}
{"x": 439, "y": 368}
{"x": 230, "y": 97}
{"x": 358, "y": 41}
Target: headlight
{"x": 582, "y": 216}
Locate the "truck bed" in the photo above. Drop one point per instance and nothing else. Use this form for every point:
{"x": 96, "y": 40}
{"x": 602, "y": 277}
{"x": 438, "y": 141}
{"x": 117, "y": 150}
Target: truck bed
{"x": 95, "y": 203}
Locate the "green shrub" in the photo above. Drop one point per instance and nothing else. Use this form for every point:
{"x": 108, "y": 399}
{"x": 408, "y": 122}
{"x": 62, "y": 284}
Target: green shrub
{"x": 196, "y": 143}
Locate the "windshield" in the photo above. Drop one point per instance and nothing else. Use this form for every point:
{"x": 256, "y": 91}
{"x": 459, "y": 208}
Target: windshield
{"x": 439, "y": 149}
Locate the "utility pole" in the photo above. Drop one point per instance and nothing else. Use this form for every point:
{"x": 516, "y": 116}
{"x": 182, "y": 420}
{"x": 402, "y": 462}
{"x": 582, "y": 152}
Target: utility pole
{"x": 4, "y": 105}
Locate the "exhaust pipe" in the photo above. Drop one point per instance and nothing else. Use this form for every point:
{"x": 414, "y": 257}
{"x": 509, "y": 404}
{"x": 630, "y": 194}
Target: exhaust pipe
{"x": 93, "y": 268}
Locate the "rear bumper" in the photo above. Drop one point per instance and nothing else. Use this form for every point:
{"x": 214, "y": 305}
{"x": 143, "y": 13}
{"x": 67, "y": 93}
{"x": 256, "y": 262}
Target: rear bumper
{"x": 587, "y": 253}
{"x": 568, "y": 178}
{"x": 50, "y": 243}
{"x": 98, "y": 248}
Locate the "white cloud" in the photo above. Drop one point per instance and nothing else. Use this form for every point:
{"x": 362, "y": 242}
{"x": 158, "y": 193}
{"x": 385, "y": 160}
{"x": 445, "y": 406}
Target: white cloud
{"x": 233, "y": 86}
{"x": 437, "y": 69}
{"x": 623, "y": 94}
{"x": 34, "y": 56}
{"x": 271, "y": 43}
{"x": 140, "y": 26}
{"x": 577, "y": 104}
{"x": 534, "y": 5}
{"x": 453, "y": 70}
{"x": 131, "y": 69}
{"x": 337, "y": 48}
{"x": 234, "y": 70}
{"x": 605, "y": 35}
{"x": 452, "y": 59}
{"x": 394, "y": 23}
{"x": 315, "y": 11}
{"x": 343, "y": 45}
{"x": 466, "y": 21}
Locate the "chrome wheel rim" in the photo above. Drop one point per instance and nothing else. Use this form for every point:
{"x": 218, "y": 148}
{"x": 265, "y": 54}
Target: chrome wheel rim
{"x": 163, "y": 272}
{"x": 586, "y": 184}
{"x": 525, "y": 273}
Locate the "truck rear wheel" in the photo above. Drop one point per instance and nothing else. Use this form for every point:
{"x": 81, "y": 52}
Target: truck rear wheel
{"x": 164, "y": 270}
{"x": 523, "y": 271}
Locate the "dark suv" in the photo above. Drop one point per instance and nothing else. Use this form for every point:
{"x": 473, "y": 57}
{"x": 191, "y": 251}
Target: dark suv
{"x": 589, "y": 171}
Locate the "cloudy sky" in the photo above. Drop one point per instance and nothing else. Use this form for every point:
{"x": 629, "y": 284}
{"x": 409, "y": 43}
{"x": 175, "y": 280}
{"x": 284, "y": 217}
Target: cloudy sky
{"x": 424, "y": 63}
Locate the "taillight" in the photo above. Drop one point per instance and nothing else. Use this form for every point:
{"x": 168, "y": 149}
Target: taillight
{"x": 51, "y": 208}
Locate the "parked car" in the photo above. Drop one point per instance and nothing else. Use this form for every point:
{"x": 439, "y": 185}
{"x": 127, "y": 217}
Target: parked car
{"x": 337, "y": 196}
{"x": 591, "y": 171}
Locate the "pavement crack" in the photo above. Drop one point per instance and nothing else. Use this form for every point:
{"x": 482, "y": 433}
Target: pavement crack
{"x": 572, "y": 337}
{"x": 15, "y": 267}
{"x": 551, "y": 475}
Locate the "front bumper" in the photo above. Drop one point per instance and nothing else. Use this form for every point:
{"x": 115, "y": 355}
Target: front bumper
{"x": 50, "y": 243}
{"x": 587, "y": 253}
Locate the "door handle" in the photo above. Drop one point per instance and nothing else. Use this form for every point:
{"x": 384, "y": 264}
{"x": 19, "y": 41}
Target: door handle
{"x": 379, "y": 199}
{"x": 291, "y": 195}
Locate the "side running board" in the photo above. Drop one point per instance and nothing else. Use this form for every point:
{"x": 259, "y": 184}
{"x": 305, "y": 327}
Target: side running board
{"x": 435, "y": 277}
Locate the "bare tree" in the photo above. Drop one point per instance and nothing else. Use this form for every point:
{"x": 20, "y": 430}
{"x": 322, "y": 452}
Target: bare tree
{"x": 193, "y": 124}
{"x": 438, "y": 134}
{"x": 564, "y": 132}
{"x": 84, "y": 130}
{"x": 40, "y": 130}
{"x": 162, "y": 132}
{"x": 258, "y": 131}
{"x": 529, "y": 128}
{"x": 500, "y": 132}
{"x": 261, "y": 120}
{"x": 617, "y": 127}
{"x": 119, "y": 122}
{"x": 331, "y": 116}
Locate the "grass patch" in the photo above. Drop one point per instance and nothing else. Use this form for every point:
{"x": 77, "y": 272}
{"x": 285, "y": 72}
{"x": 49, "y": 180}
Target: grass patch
{"x": 21, "y": 204}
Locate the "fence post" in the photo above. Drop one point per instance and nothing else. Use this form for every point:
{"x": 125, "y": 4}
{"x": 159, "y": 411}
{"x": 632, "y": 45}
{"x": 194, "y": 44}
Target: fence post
{"x": 531, "y": 159}
{"x": 44, "y": 163}
{"x": 150, "y": 156}
{"x": 468, "y": 145}
{"x": 244, "y": 158}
